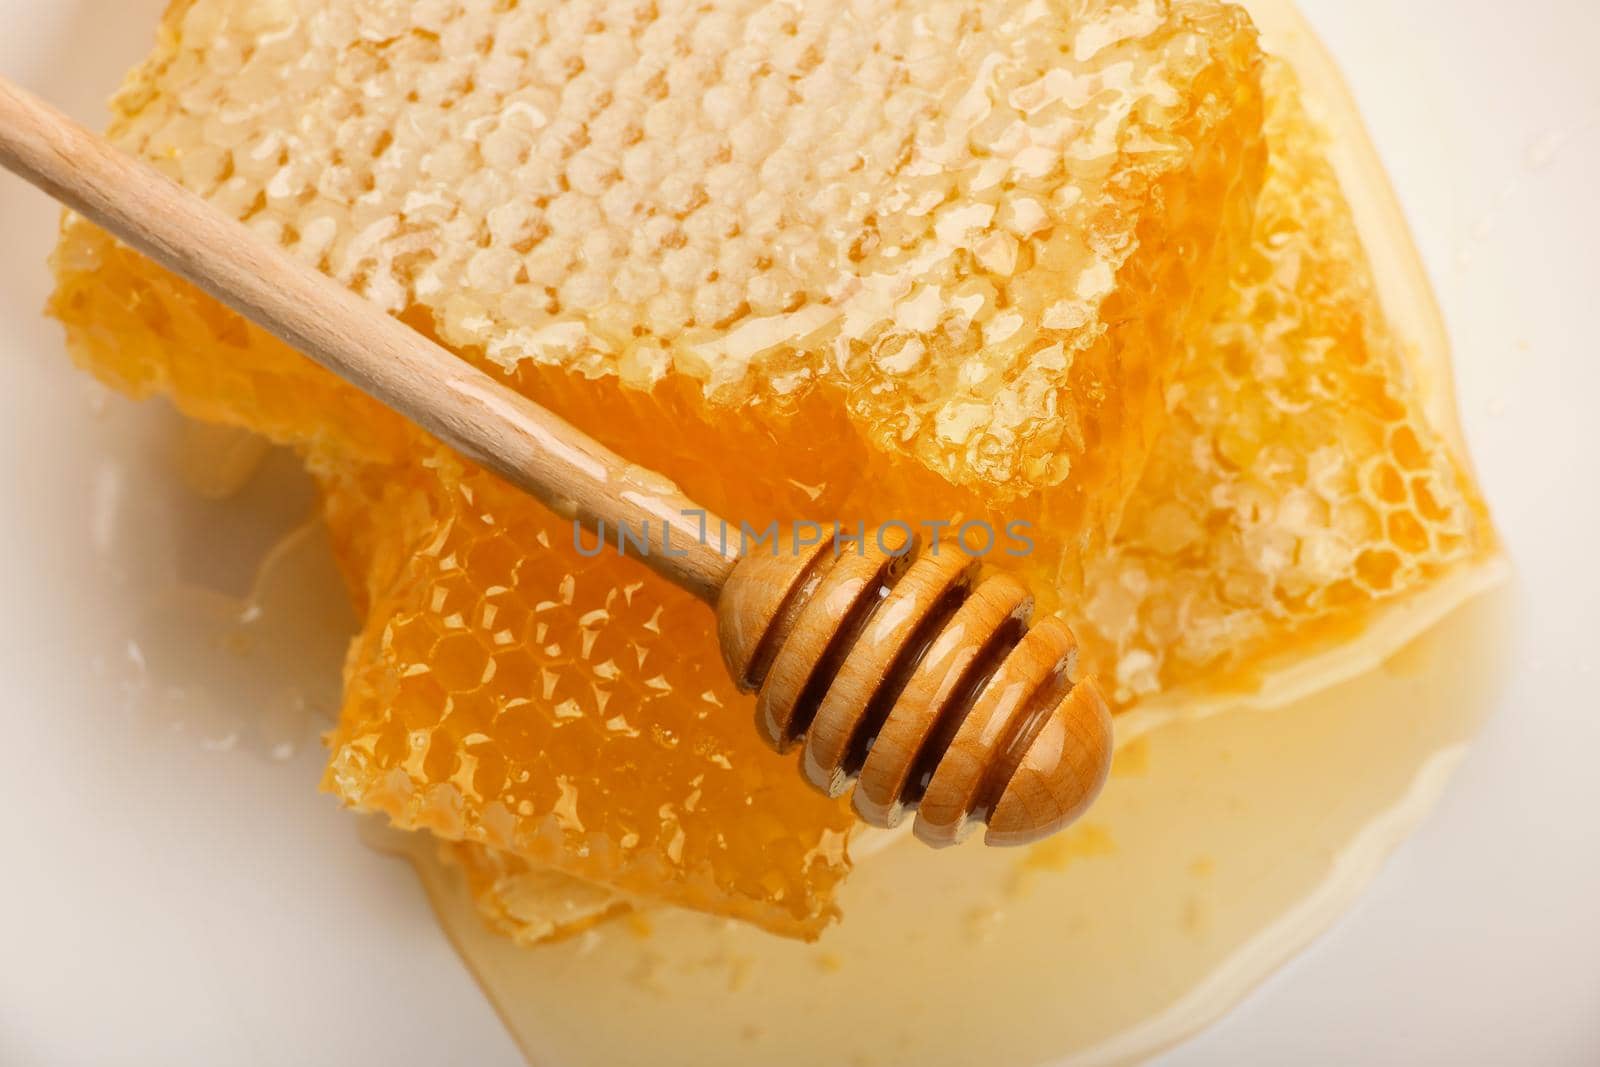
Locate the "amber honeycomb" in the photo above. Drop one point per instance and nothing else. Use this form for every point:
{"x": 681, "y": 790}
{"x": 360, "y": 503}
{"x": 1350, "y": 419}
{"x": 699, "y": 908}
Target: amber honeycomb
{"x": 569, "y": 711}
{"x": 823, "y": 259}
{"x": 1298, "y": 485}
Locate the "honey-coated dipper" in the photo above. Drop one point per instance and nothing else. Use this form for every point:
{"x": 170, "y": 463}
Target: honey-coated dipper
{"x": 907, "y": 673}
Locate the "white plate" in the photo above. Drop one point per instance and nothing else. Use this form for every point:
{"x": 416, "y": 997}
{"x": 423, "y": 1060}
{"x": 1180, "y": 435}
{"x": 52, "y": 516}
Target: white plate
{"x": 170, "y": 896}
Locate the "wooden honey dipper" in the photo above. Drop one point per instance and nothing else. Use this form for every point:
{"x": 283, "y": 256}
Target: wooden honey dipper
{"x": 898, "y": 665}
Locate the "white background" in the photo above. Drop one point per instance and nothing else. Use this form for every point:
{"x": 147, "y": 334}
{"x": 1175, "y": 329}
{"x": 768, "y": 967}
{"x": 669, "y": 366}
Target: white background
{"x": 137, "y": 926}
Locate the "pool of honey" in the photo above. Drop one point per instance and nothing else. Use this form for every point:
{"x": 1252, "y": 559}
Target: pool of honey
{"x": 1221, "y": 847}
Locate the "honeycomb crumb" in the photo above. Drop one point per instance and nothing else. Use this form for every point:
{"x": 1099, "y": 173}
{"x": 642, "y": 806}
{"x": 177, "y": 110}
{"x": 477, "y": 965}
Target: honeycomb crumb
{"x": 527, "y": 904}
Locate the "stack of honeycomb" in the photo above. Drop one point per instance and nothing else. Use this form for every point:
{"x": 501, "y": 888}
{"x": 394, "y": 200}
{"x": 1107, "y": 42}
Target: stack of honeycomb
{"x": 854, "y": 260}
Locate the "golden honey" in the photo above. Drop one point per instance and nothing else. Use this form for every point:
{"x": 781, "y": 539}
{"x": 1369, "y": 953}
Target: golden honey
{"x": 1079, "y": 265}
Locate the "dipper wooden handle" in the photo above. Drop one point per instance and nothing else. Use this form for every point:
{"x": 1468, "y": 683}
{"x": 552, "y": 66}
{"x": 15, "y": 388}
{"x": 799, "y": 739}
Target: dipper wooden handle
{"x": 899, "y": 668}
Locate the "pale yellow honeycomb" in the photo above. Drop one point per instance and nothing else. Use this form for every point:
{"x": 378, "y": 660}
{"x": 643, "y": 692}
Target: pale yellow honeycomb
{"x": 1299, "y": 485}
{"x": 971, "y": 233}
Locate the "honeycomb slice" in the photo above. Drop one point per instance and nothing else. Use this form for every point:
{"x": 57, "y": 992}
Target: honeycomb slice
{"x": 972, "y": 235}
{"x": 829, "y": 259}
{"x": 573, "y": 712}
{"x": 1299, "y": 487}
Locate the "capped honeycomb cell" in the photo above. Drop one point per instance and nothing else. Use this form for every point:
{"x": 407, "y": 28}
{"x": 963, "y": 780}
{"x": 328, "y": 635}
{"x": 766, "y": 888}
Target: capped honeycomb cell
{"x": 972, "y": 234}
